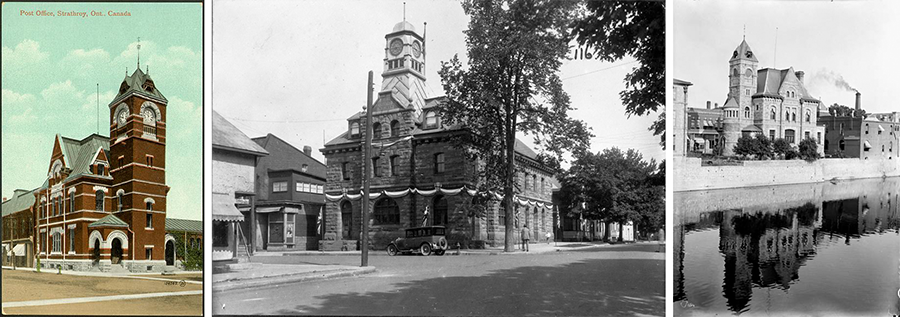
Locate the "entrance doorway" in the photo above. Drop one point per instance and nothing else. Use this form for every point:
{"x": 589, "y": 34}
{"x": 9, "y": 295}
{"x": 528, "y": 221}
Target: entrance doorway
{"x": 116, "y": 251}
{"x": 170, "y": 253}
{"x": 96, "y": 254}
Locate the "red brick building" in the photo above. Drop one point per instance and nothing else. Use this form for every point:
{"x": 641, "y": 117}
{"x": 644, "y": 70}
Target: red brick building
{"x": 103, "y": 205}
{"x": 415, "y": 167}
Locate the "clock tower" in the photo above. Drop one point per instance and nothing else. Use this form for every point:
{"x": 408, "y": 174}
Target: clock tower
{"x": 137, "y": 137}
{"x": 742, "y": 74}
{"x": 404, "y": 67}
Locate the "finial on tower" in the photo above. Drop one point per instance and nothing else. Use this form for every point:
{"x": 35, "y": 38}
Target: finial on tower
{"x": 404, "y": 10}
{"x": 745, "y": 32}
{"x": 139, "y": 53}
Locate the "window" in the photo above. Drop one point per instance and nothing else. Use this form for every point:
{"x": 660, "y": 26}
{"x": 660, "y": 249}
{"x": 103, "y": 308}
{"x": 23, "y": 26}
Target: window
{"x": 395, "y": 128}
{"x": 345, "y": 171}
{"x": 794, "y": 116}
{"x": 220, "y": 233}
{"x": 395, "y": 165}
{"x": 867, "y": 128}
{"x": 72, "y": 240}
{"x": 386, "y": 212}
{"x": 789, "y": 136}
{"x": 808, "y": 116}
{"x": 805, "y": 135}
{"x": 734, "y": 72}
{"x": 279, "y": 187}
{"x": 747, "y": 92}
{"x": 376, "y": 172}
{"x": 542, "y": 185}
{"x": 773, "y": 113}
{"x": 304, "y": 168}
{"x": 527, "y": 181}
{"x": 354, "y": 129}
{"x": 100, "y": 169}
{"x": 431, "y": 119}
{"x": 121, "y": 161}
{"x": 149, "y": 221}
{"x": 438, "y": 163}
{"x": 57, "y": 242}
{"x": 748, "y": 73}
{"x": 148, "y": 252}
{"x": 149, "y": 206}
{"x": 841, "y": 145}
{"x": 53, "y": 207}
{"x": 771, "y": 134}
{"x": 787, "y": 115}
{"x": 150, "y": 160}
{"x": 440, "y": 211}
{"x": 72, "y": 202}
{"x": 746, "y": 112}
{"x": 99, "y": 203}
{"x": 376, "y": 130}
{"x": 819, "y": 137}
{"x": 501, "y": 213}
{"x": 534, "y": 184}
{"x": 119, "y": 201}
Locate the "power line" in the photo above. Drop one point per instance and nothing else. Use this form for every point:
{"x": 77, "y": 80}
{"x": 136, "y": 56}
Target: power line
{"x": 599, "y": 70}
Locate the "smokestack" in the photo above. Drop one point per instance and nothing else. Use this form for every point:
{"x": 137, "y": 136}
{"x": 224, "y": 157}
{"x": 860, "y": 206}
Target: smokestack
{"x": 307, "y": 150}
{"x": 858, "y": 101}
{"x": 707, "y": 104}
{"x": 800, "y": 75}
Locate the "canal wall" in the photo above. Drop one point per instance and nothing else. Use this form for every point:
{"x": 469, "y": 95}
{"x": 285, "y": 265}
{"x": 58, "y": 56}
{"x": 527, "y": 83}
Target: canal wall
{"x": 689, "y": 175}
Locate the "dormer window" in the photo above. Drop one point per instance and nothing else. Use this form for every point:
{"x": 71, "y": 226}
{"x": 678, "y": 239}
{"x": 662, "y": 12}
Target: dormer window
{"x": 354, "y": 129}
{"x": 431, "y": 120}
{"x": 99, "y": 169}
{"x": 148, "y": 86}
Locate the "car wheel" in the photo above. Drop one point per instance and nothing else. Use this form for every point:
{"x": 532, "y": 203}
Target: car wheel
{"x": 439, "y": 252}
{"x": 392, "y": 250}
{"x": 425, "y": 249}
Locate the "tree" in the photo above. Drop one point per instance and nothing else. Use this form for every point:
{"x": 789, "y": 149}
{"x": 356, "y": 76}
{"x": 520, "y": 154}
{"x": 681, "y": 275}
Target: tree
{"x": 615, "y": 186}
{"x": 511, "y": 85}
{"x": 781, "y": 146}
{"x": 746, "y": 146}
{"x": 809, "y": 149}
{"x": 615, "y": 29}
{"x": 837, "y": 110}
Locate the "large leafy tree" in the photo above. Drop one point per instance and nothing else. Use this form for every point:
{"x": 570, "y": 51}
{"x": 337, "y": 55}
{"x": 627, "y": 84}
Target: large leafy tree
{"x": 615, "y": 29}
{"x": 511, "y": 85}
{"x": 615, "y": 186}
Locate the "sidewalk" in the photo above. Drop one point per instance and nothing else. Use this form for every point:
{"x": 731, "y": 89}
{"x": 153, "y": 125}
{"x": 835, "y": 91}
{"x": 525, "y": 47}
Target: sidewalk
{"x": 534, "y": 248}
{"x": 258, "y": 274}
{"x": 99, "y": 274}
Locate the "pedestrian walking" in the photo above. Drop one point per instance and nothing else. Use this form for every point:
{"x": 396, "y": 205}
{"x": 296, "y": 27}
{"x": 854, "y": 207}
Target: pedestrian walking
{"x": 526, "y": 235}
{"x": 548, "y": 235}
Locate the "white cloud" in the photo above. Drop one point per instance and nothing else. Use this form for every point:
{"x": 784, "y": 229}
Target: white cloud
{"x": 86, "y": 63}
{"x": 18, "y": 107}
{"x": 25, "y": 54}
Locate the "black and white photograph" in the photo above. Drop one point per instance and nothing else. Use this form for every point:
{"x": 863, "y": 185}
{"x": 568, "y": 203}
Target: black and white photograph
{"x": 786, "y": 174}
{"x": 438, "y": 158}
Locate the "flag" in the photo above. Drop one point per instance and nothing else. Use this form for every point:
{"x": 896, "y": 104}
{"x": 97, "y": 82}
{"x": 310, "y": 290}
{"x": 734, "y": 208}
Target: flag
{"x": 425, "y": 219}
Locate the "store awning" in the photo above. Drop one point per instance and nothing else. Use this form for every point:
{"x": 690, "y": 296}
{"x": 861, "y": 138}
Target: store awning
{"x": 19, "y": 250}
{"x": 224, "y": 209}
{"x": 291, "y": 210}
{"x": 265, "y": 210}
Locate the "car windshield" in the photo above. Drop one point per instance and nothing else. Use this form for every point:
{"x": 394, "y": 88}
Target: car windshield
{"x": 439, "y": 231}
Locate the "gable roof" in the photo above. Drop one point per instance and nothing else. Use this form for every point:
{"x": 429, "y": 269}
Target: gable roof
{"x": 21, "y": 200}
{"x": 283, "y": 155}
{"x": 227, "y": 136}
{"x": 108, "y": 221}
{"x": 135, "y": 84}
{"x": 175, "y": 224}
{"x": 731, "y": 103}
{"x": 80, "y": 154}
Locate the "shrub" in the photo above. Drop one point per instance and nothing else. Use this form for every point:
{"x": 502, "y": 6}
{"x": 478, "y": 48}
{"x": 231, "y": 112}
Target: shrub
{"x": 809, "y": 150}
{"x": 763, "y": 147}
{"x": 781, "y": 147}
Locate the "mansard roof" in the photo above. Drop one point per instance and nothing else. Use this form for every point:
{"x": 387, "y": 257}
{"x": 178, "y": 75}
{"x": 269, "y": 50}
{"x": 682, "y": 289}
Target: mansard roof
{"x": 79, "y": 154}
{"x": 135, "y": 84}
{"x": 770, "y": 80}
{"x": 21, "y": 200}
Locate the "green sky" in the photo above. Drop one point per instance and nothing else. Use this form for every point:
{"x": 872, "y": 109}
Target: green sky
{"x": 51, "y": 66}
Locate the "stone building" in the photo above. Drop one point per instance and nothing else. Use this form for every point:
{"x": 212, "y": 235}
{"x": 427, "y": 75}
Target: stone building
{"x": 290, "y": 196}
{"x": 103, "y": 204}
{"x": 414, "y": 166}
{"x": 768, "y": 101}
{"x": 234, "y": 171}
{"x": 680, "y": 96}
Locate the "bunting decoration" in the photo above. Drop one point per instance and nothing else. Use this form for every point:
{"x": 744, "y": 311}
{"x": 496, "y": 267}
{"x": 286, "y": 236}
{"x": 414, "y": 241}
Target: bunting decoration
{"x": 522, "y": 201}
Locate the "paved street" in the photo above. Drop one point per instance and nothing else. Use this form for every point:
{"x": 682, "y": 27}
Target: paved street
{"x": 607, "y": 280}
{"x": 27, "y": 292}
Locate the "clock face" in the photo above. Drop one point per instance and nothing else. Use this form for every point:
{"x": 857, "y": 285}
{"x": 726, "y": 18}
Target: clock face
{"x": 396, "y": 46}
{"x": 417, "y": 49}
{"x": 123, "y": 116}
{"x": 149, "y": 115}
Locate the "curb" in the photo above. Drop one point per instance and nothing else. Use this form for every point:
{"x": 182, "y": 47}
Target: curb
{"x": 275, "y": 281}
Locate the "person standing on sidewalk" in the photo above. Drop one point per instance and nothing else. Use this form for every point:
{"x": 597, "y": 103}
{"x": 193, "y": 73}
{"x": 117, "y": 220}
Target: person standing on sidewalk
{"x": 526, "y": 235}
{"x": 548, "y": 236}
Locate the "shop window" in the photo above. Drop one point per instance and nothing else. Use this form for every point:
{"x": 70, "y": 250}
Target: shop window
{"x": 276, "y": 228}
{"x": 220, "y": 233}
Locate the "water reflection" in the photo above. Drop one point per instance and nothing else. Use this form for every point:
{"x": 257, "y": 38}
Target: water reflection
{"x": 765, "y": 246}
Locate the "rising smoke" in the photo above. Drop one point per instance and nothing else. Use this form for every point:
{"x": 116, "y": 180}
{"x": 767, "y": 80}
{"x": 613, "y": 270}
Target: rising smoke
{"x": 827, "y": 76}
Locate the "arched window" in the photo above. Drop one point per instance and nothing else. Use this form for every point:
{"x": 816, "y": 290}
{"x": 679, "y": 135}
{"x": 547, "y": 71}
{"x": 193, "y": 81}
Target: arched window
{"x": 794, "y": 116}
{"x": 787, "y": 115}
{"x": 746, "y": 112}
{"x": 440, "y": 211}
{"x": 347, "y": 220}
{"x": 99, "y": 203}
{"x": 734, "y": 72}
{"x": 386, "y": 212}
{"x": 841, "y": 145}
{"x": 534, "y": 185}
{"x": 808, "y": 116}
{"x": 354, "y": 129}
{"x": 773, "y": 113}
{"x": 72, "y": 202}
{"x": 119, "y": 201}
{"x": 395, "y": 128}
{"x": 376, "y": 130}
{"x": 438, "y": 163}
{"x": 431, "y": 120}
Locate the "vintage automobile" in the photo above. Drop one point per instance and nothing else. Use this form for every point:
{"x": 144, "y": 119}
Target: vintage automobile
{"x": 422, "y": 240}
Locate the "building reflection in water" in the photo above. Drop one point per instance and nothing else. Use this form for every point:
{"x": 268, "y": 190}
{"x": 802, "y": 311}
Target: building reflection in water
{"x": 767, "y": 248}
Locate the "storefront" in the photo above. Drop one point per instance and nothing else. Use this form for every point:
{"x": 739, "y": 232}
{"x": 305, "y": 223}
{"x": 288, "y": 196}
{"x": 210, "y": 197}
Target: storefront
{"x": 225, "y": 227}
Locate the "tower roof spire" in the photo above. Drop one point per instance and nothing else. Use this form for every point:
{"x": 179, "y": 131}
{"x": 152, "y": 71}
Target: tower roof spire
{"x": 139, "y": 53}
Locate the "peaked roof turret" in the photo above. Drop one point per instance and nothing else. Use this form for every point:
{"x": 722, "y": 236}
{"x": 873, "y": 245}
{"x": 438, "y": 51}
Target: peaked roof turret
{"x": 743, "y": 51}
{"x": 731, "y": 103}
{"x": 139, "y": 83}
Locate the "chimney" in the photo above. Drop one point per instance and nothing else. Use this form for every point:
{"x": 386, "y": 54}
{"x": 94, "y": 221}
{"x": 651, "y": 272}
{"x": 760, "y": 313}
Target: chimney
{"x": 4, "y": 198}
{"x": 800, "y": 75}
{"x": 707, "y": 104}
{"x": 717, "y": 105}
{"x": 858, "y": 101}
{"x": 307, "y": 150}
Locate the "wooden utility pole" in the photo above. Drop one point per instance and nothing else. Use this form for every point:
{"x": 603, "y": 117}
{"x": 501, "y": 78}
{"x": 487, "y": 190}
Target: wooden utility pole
{"x": 367, "y": 167}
